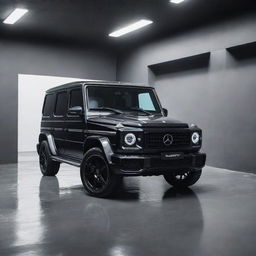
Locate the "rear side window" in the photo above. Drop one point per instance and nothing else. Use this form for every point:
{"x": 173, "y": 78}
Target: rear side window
{"x": 76, "y": 98}
{"x": 61, "y": 104}
{"x": 48, "y": 104}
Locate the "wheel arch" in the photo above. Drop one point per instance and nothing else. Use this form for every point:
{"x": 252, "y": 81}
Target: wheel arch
{"x": 100, "y": 142}
{"x": 50, "y": 140}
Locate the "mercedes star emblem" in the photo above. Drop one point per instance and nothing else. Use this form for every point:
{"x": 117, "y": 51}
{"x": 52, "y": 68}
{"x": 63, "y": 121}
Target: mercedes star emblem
{"x": 167, "y": 139}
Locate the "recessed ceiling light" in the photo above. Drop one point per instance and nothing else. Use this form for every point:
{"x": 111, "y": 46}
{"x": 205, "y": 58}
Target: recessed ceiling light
{"x": 132, "y": 27}
{"x": 176, "y": 1}
{"x": 15, "y": 16}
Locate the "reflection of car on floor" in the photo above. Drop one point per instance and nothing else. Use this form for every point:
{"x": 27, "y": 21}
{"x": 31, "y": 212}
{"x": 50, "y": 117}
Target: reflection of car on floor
{"x": 98, "y": 220}
{"x": 111, "y": 130}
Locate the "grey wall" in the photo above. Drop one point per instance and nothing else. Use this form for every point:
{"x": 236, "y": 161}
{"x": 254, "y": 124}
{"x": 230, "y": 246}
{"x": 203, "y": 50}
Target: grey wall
{"x": 26, "y": 58}
{"x": 220, "y": 97}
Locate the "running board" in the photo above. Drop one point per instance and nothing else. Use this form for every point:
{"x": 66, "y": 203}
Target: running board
{"x": 63, "y": 160}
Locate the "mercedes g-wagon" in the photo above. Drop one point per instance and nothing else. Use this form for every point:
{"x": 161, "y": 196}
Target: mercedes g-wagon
{"x": 111, "y": 130}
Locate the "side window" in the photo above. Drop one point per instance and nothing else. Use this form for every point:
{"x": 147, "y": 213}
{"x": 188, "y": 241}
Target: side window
{"x": 145, "y": 102}
{"x": 61, "y": 104}
{"x": 76, "y": 98}
{"x": 48, "y": 105}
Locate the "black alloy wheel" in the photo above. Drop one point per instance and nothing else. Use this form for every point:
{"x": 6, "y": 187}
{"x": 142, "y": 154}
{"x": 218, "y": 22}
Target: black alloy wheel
{"x": 47, "y": 165}
{"x": 97, "y": 178}
{"x": 43, "y": 159}
{"x": 97, "y": 174}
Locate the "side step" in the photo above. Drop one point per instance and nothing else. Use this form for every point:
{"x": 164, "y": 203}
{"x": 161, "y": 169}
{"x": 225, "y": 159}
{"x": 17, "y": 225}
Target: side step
{"x": 66, "y": 161}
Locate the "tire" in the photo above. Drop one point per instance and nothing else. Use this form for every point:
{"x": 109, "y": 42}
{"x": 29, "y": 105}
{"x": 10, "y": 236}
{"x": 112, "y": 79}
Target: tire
{"x": 184, "y": 179}
{"x": 97, "y": 178}
{"x": 47, "y": 165}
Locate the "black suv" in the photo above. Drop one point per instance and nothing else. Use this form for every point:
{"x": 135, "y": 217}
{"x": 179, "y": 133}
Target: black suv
{"x": 111, "y": 130}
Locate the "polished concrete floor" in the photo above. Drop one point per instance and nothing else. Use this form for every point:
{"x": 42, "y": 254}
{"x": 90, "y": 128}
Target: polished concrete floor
{"x": 53, "y": 215}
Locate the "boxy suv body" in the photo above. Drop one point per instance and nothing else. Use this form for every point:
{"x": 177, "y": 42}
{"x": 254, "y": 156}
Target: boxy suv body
{"x": 111, "y": 130}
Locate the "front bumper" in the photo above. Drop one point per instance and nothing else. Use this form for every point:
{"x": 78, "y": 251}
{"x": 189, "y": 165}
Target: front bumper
{"x": 136, "y": 165}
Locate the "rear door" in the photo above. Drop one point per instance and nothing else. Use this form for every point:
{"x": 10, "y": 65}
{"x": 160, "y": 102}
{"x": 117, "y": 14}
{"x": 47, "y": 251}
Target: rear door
{"x": 59, "y": 121}
{"x": 47, "y": 123}
{"x": 75, "y": 126}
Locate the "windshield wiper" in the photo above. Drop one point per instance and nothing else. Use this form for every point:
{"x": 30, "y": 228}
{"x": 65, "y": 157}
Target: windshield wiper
{"x": 117, "y": 111}
{"x": 142, "y": 111}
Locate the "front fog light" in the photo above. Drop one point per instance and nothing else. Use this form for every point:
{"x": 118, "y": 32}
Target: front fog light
{"x": 130, "y": 139}
{"x": 195, "y": 137}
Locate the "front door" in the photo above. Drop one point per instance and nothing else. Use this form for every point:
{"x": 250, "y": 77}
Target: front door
{"x": 75, "y": 127}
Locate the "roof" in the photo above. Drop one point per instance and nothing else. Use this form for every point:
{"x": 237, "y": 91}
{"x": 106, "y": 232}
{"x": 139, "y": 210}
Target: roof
{"x": 94, "y": 82}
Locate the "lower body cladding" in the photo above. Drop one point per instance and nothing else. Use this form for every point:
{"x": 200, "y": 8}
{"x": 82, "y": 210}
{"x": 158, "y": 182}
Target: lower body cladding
{"x": 144, "y": 165}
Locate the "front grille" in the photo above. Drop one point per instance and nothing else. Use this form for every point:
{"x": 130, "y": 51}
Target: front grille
{"x": 154, "y": 140}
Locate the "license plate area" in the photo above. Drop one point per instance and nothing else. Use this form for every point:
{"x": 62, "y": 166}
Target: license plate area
{"x": 172, "y": 156}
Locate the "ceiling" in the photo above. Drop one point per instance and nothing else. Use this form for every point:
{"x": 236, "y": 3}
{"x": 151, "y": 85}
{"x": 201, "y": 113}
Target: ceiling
{"x": 90, "y": 21}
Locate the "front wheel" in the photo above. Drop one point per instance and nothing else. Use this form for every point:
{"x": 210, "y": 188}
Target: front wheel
{"x": 183, "y": 179}
{"x": 97, "y": 178}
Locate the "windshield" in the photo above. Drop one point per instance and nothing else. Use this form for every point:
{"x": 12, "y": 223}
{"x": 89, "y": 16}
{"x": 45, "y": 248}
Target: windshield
{"x": 127, "y": 99}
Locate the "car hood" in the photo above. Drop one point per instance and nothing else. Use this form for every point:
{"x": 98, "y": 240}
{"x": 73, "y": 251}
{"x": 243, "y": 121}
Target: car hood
{"x": 138, "y": 121}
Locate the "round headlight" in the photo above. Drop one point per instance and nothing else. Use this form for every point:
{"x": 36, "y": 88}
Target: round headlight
{"x": 130, "y": 139}
{"x": 195, "y": 137}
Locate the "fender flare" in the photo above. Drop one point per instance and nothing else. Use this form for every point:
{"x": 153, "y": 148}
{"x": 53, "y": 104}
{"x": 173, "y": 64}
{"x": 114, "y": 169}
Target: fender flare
{"x": 103, "y": 142}
{"x": 50, "y": 140}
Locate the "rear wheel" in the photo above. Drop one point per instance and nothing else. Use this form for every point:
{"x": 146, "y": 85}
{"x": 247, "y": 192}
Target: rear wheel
{"x": 47, "y": 165}
{"x": 183, "y": 179}
{"x": 97, "y": 178}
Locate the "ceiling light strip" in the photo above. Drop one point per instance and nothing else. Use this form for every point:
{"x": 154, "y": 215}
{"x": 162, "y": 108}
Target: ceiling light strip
{"x": 15, "y": 16}
{"x": 132, "y": 27}
{"x": 176, "y": 1}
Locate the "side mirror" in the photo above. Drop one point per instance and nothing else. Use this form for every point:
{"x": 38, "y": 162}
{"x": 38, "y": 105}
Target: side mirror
{"x": 165, "y": 112}
{"x": 75, "y": 111}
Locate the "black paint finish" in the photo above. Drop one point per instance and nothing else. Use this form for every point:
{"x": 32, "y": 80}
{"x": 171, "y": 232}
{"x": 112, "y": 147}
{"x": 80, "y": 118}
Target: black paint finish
{"x": 74, "y": 135}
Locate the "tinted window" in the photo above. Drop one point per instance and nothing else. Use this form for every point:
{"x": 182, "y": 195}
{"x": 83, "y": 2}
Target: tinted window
{"x": 48, "y": 104}
{"x": 61, "y": 104}
{"x": 122, "y": 98}
{"x": 145, "y": 102}
{"x": 76, "y": 98}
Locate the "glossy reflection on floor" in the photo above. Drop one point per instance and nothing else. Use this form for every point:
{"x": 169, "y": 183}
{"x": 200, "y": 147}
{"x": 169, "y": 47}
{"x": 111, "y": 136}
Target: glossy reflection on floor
{"x": 53, "y": 215}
